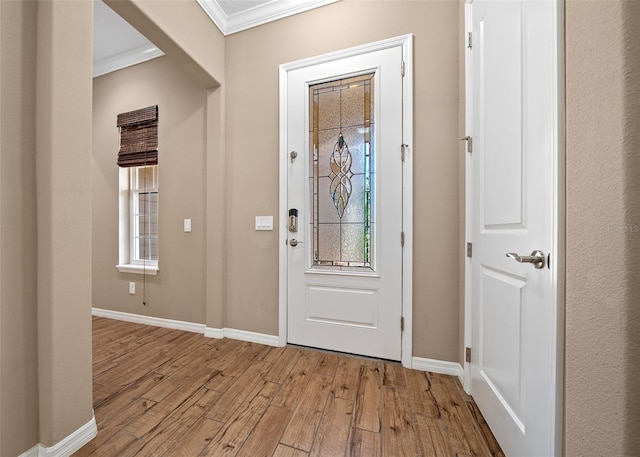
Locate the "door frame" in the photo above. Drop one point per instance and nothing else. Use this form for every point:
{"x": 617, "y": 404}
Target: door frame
{"x": 406, "y": 43}
{"x": 557, "y": 261}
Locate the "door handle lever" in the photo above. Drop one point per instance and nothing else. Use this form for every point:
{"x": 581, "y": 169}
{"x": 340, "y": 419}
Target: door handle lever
{"x": 536, "y": 258}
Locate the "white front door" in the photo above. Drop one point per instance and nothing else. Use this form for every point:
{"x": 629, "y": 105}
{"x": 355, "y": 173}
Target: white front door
{"x": 344, "y": 132}
{"x": 515, "y": 131}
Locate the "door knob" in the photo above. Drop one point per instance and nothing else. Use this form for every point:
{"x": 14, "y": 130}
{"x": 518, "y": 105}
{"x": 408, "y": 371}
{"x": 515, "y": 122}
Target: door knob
{"x": 294, "y": 242}
{"x": 536, "y": 258}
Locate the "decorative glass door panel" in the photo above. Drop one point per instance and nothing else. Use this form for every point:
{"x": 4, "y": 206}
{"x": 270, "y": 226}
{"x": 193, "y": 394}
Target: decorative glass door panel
{"x": 342, "y": 174}
{"x": 344, "y": 265}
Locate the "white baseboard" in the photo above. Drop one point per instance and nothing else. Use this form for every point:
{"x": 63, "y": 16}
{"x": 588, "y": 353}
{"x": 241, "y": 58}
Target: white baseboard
{"x": 68, "y": 445}
{"x": 33, "y": 452}
{"x": 148, "y": 320}
{"x": 242, "y": 335}
{"x": 253, "y": 337}
{"x": 438, "y": 366}
{"x": 210, "y": 332}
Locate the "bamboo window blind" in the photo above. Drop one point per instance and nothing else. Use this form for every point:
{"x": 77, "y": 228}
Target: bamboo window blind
{"x": 138, "y": 137}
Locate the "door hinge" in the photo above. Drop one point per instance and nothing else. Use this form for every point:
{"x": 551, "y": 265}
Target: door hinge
{"x": 470, "y": 40}
{"x": 467, "y": 355}
{"x": 402, "y": 323}
{"x": 403, "y": 151}
{"x": 402, "y": 68}
{"x": 469, "y": 249}
{"x": 402, "y": 239}
{"x": 469, "y": 141}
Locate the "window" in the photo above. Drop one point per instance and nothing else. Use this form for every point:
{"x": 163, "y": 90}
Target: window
{"x": 143, "y": 204}
{"x": 139, "y": 220}
{"x": 138, "y": 201}
{"x": 343, "y": 178}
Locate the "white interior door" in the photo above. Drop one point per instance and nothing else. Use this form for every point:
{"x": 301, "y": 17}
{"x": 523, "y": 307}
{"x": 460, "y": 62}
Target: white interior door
{"x": 514, "y": 86}
{"x": 344, "y": 262}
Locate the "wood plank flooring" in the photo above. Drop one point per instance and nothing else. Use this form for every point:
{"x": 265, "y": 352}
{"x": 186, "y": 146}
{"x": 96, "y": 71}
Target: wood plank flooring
{"x": 161, "y": 392}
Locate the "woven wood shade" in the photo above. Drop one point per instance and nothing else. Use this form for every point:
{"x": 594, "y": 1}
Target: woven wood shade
{"x": 138, "y": 137}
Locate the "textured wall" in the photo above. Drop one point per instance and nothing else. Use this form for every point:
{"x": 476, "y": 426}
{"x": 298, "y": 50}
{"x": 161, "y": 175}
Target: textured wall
{"x": 630, "y": 21}
{"x": 603, "y": 229}
{"x": 18, "y": 325}
{"x": 63, "y": 144}
{"x": 243, "y": 166}
{"x": 602, "y": 347}
{"x": 253, "y": 57}
{"x": 45, "y": 351}
{"x": 178, "y": 291}
{"x": 183, "y": 31}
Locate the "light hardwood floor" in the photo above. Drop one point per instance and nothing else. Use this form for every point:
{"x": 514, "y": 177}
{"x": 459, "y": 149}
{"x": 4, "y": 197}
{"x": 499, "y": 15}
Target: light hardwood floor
{"x": 161, "y": 392}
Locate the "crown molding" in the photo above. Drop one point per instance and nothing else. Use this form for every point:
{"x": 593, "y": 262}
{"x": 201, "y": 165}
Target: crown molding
{"x": 258, "y": 15}
{"x": 125, "y": 59}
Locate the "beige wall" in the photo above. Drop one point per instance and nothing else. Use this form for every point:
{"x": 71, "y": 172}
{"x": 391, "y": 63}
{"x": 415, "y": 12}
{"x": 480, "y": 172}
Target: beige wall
{"x": 602, "y": 412}
{"x": 602, "y": 316}
{"x": 216, "y": 201}
{"x": 63, "y": 144}
{"x": 183, "y": 31}
{"x": 178, "y": 291}
{"x": 253, "y": 57}
{"x": 18, "y": 324}
{"x": 45, "y": 230}
{"x": 631, "y": 19}
{"x": 45, "y": 283}
{"x": 602, "y": 289}
{"x": 242, "y": 174}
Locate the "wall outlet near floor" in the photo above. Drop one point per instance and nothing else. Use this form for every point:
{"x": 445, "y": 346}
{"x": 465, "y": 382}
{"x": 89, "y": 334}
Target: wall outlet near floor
{"x": 132, "y": 288}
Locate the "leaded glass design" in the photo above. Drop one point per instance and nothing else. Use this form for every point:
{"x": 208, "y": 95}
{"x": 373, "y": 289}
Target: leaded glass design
{"x": 340, "y": 189}
{"x": 342, "y": 174}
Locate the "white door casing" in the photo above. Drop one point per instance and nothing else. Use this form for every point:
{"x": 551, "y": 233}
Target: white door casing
{"x": 358, "y": 313}
{"x": 513, "y": 323}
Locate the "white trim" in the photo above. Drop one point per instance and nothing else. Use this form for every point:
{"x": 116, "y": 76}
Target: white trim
{"x": 558, "y": 231}
{"x": 438, "y": 366}
{"x": 283, "y": 284}
{"x": 139, "y": 269}
{"x": 402, "y": 40}
{"x": 466, "y": 382}
{"x": 257, "y": 15}
{"x": 407, "y": 201}
{"x": 243, "y": 335}
{"x": 149, "y": 320}
{"x": 217, "y": 333}
{"x": 209, "y": 332}
{"x": 406, "y": 42}
{"x": 33, "y": 452}
{"x": 125, "y": 59}
{"x": 68, "y": 445}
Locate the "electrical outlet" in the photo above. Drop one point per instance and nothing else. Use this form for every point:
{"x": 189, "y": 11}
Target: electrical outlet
{"x": 132, "y": 288}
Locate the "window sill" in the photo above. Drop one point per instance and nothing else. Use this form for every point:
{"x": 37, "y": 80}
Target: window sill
{"x": 138, "y": 269}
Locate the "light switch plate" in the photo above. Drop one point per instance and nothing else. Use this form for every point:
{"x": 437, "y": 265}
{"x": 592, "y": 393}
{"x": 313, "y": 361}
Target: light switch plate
{"x": 264, "y": 222}
{"x": 187, "y": 225}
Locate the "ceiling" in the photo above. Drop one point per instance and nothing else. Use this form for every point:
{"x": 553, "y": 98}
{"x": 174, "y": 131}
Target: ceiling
{"x": 117, "y": 45}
